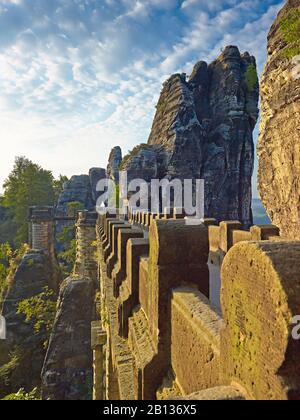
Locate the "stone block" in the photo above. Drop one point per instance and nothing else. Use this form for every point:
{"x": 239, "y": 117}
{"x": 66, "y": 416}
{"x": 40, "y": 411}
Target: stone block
{"x": 195, "y": 350}
{"x": 241, "y": 236}
{"x": 119, "y": 273}
{"x": 260, "y": 296}
{"x": 113, "y": 248}
{"x": 226, "y": 234}
{"x": 136, "y": 248}
{"x": 263, "y": 233}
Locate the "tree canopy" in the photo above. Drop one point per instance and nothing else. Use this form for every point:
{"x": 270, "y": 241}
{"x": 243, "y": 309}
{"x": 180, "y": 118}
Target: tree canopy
{"x": 27, "y": 185}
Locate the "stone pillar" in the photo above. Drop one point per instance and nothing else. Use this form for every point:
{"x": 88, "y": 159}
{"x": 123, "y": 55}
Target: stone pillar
{"x": 86, "y": 264}
{"x": 41, "y": 229}
{"x": 99, "y": 340}
{"x": 260, "y": 298}
{"x": 178, "y": 256}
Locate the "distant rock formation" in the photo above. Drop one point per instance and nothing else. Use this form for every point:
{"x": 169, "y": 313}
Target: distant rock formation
{"x": 203, "y": 128}
{"x": 114, "y": 163}
{"x": 279, "y": 142}
{"x": 67, "y": 373}
{"x": 77, "y": 189}
{"x": 80, "y": 189}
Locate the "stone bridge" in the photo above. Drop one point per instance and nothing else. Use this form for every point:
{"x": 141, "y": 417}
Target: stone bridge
{"x": 163, "y": 332}
{"x": 186, "y": 312}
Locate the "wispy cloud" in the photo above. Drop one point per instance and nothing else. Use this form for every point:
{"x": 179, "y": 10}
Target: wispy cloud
{"x": 80, "y": 76}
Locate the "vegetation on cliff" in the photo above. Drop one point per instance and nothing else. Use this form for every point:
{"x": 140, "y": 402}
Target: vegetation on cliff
{"x": 9, "y": 261}
{"x": 290, "y": 27}
{"x": 40, "y": 310}
{"x": 22, "y": 395}
{"x": 251, "y": 78}
{"x": 67, "y": 237}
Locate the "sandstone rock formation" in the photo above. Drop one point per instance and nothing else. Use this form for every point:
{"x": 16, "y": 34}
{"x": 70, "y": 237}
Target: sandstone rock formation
{"x": 78, "y": 189}
{"x": 24, "y": 345}
{"x": 142, "y": 163}
{"x": 203, "y": 129}
{"x": 67, "y": 372}
{"x": 279, "y": 146}
{"x": 114, "y": 162}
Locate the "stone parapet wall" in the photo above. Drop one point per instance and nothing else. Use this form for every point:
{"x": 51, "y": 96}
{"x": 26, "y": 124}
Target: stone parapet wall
{"x": 165, "y": 336}
{"x": 195, "y": 349}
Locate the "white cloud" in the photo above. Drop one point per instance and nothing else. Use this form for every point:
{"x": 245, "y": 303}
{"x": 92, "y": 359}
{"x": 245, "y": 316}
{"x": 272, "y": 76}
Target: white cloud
{"x": 78, "y": 78}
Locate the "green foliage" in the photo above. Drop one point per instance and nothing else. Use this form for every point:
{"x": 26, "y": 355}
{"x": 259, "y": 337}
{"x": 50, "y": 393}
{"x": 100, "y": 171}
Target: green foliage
{"x": 67, "y": 257}
{"x": 41, "y": 310}
{"x": 66, "y": 237}
{"x": 9, "y": 261}
{"x": 27, "y": 185}
{"x": 8, "y": 368}
{"x": 5, "y": 257}
{"x": 22, "y": 395}
{"x": 290, "y": 28}
{"x": 251, "y": 77}
{"x": 73, "y": 207}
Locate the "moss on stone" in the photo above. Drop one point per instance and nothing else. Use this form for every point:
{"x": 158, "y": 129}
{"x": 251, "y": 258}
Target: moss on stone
{"x": 251, "y": 77}
{"x": 290, "y": 28}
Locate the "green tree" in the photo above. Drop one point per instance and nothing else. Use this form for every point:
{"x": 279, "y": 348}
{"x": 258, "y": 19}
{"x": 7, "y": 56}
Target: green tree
{"x": 40, "y": 309}
{"x": 27, "y": 185}
{"x": 9, "y": 261}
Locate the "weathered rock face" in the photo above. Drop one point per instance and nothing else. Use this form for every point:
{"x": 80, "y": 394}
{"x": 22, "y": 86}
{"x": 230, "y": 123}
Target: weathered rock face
{"x": 203, "y": 129}
{"x": 143, "y": 162}
{"x": 34, "y": 273}
{"x": 78, "y": 189}
{"x": 7, "y": 229}
{"x": 279, "y": 145}
{"x": 114, "y": 162}
{"x": 67, "y": 372}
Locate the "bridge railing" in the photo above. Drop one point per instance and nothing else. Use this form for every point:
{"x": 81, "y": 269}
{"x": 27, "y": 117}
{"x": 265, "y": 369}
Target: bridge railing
{"x": 157, "y": 298}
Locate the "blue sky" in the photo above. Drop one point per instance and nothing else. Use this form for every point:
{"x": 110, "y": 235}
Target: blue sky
{"x": 78, "y": 77}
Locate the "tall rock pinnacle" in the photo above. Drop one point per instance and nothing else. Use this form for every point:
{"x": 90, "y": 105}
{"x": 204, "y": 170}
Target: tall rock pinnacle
{"x": 279, "y": 143}
{"x": 203, "y": 128}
